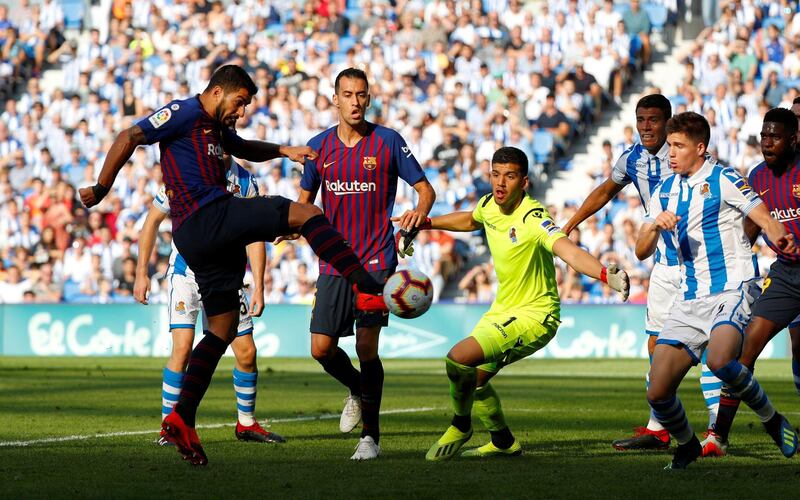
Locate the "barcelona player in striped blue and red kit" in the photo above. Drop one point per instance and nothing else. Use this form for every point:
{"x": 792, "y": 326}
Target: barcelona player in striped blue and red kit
{"x": 211, "y": 227}
{"x": 357, "y": 171}
{"x": 777, "y": 181}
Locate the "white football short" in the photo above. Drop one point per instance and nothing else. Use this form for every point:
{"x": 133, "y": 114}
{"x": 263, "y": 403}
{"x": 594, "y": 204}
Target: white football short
{"x": 665, "y": 287}
{"x": 185, "y": 305}
{"x": 691, "y": 321}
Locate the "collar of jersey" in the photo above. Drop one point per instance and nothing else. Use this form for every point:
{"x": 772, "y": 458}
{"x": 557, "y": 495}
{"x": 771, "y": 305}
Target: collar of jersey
{"x": 701, "y": 174}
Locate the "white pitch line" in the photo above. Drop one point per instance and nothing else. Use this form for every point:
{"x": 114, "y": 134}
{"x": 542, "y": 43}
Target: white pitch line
{"x": 326, "y": 416}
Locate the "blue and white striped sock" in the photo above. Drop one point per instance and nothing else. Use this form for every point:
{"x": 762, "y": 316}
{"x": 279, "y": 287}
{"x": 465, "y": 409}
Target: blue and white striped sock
{"x": 245, "y": 386}
{"x": 744, "y": 384}
{"x": 711, "y": 387}
{"x": 672, "y": 416}
{"x": 796, "y": 372}
{"x": 653, "y": 424}
{"x": 170, "y": 390}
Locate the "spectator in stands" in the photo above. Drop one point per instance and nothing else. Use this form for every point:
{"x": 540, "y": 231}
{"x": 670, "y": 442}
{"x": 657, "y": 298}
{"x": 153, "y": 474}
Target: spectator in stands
{"x": 637, "y": 25}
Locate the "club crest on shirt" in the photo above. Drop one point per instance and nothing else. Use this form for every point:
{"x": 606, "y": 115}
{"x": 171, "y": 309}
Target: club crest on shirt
{"x": 160, "y": 117}
{"x": 512, "y": 234}
{"x": 796, "y": 191}
{"x": 180, "y": 307}
{"x": 370, "y": 162}
{"x": 705, "y": 190}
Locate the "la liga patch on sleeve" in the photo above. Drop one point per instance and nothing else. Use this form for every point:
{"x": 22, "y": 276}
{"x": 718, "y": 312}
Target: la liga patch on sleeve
{"x": 160, "y": 117}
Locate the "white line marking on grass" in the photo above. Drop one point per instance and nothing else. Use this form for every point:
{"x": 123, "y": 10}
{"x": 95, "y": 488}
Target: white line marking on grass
{"x": 308, "y": 418}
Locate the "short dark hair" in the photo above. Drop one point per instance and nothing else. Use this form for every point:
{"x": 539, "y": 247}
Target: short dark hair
{"x": 232, "y": 78}
{"x": 796, "y": 100}
{"x": 510, "y": 154}
{"x": 693, "y": 125}
{"x": 656, "y": 101}
{"x": 354, "y": 73}
{"x": 784, "y": 116}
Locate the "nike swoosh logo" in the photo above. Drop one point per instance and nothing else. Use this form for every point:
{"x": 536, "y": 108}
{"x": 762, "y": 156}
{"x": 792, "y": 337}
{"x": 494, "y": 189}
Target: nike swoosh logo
{"x": 206, "y": 130}
{"x": 761, "y": 193}
{"x": 326, "y": 165}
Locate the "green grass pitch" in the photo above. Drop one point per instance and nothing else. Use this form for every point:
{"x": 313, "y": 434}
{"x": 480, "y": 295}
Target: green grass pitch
{"x": 565, "y": 413}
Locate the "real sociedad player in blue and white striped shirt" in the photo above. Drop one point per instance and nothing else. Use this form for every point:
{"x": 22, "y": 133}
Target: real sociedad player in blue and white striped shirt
{"x": 645, "y": 165}
{"x": 185, "y": 304}
{"x": 702, "y": 209}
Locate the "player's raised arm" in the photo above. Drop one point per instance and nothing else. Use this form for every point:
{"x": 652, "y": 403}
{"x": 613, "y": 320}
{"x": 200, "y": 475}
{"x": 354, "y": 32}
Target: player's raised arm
{"x": 119, "y": 153}
{"x": 147, "y": 239}
{"x": 596, "y": 200}
{"x": 260, "y": 151}
{"x": 583, "y": 262}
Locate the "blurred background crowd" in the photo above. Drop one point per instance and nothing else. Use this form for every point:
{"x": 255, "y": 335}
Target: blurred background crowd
{"x": 456, "y": 78}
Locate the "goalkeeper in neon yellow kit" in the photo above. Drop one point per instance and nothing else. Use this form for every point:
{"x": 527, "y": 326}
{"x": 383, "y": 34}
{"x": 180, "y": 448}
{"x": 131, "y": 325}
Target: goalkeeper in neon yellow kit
{"x": 526, "y": 312}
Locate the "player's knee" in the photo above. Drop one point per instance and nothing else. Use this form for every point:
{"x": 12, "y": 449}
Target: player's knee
{"x": 655, "y": 392}
{"x": 300, "y": 213}
{"x": 716, "y": 361}
{"x": 322, "y": 353}
{"x": 366, "y": 349}
{"x": 246, "y": 357}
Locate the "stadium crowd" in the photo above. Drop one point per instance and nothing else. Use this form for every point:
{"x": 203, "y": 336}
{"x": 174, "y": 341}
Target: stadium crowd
{"x": 456, "y": 78}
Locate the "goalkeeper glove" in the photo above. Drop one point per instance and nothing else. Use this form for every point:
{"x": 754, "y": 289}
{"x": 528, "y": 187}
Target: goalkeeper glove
{"x": 617, "y": 279}
{"x": 405, "y": 247}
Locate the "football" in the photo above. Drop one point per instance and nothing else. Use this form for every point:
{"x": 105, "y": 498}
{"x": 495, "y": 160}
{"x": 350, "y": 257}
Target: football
{"x": 408, "y": 293}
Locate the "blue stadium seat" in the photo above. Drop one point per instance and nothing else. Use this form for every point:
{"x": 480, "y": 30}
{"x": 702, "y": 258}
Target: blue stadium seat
{"x": 621, "y": 8}
{"x": 346, "y": 43}
{"x": 777, "y": 21}
{"x": 542, "y": 146}
{"x": 657, "y": 14}
{"x": 73, "y": 13}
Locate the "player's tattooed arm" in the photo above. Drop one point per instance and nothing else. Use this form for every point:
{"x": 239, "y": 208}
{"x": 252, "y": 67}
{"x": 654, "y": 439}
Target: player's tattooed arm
{"x": 119, "y": 153}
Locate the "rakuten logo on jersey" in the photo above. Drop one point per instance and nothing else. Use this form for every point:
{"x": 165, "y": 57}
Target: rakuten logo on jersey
{"x": 340, "y": 188}
{"x": 785, "y": 214}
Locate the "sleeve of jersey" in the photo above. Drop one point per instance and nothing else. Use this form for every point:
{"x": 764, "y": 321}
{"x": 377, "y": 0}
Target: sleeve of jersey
{"x": 477, "y": 212}
{"x": 310, "y": 180}
{"x": 408, "y": 167}
{"x": 161, "y": 201}
{"x": 619, "y": 173}
{"x": 170, "y": 121}
{"x": 655, "y": 206}
{"x": 737, "y": 192}
{"x": 548, "y": 232}
{"x": 253, "y": 190}
{"x": 231, "y": 140}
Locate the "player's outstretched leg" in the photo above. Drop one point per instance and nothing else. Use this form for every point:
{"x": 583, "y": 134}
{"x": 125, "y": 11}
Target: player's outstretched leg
{"x": 672, "y": 416}
{"x": 490, "y": 411}
{"x": 330, "y": 246}
{"x": 463, "y": 381}
{"x": 744, "y": 384}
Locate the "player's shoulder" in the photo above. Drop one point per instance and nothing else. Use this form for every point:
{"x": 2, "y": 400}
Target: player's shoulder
{"x": 532, "y": 210}
{"x": 757, "y": 170}
{"x": 180, "y": 110}
{"x": 485, "y": 200}
{"x": 385, "y": 133}
{"x": 316, "y": 141}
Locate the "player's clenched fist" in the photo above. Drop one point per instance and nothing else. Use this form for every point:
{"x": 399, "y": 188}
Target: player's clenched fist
{"x": 666, "y": 221}
{"x": 298, "y": 153}
{"x": 92, "y": 195}
{"x": 617, "y": 279}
